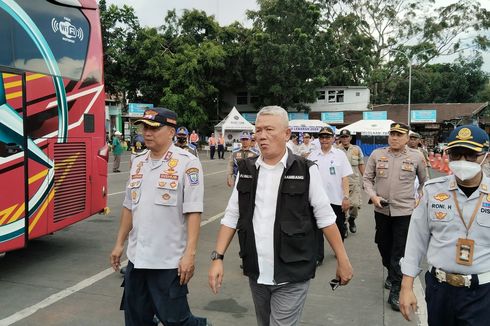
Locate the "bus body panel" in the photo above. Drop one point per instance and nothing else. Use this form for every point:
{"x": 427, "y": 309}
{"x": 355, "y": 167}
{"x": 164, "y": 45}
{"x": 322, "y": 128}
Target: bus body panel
{"x": 67, "y": 175}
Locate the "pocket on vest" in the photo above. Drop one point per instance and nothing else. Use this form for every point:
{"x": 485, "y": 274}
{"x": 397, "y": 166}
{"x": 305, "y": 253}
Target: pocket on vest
{"x": 297, "y": 242}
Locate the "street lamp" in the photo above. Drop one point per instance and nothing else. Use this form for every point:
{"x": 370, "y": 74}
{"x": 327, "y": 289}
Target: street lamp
{"x": 409, "y": 59}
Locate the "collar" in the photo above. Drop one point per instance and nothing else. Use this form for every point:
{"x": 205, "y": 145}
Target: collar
{"x": 484, "y": 184}
{"x": 403, "y": 151}
{"x": 168, "y": 154}
{"x": 284, "y": 160}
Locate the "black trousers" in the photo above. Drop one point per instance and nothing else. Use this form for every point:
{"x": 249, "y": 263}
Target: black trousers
{"x": 212, "y": 149}
{"x": 340, "y": 221}
{"x": 391, "y": 236}
{"x": 221, "y": 151}
{"x": 456, "y": 306}
{"x": 150, "y": 292}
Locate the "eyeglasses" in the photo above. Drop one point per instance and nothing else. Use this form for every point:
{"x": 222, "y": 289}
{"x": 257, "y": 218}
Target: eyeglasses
{"x": 469, "y": 156}
{"x": 325, "y": 136}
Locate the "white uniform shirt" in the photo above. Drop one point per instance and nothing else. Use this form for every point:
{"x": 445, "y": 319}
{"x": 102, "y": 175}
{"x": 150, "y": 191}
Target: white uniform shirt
{"x": 333, "y": 166}
{"x": 435, "y": 227}
{"x": 264, "y": 216}
{"x": 159, "y": 194}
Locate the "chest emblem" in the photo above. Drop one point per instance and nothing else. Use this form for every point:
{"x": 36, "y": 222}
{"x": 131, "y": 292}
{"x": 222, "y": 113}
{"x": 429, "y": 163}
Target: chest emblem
{"x": 172, "y": 163}
{"x": 173, "y": 184}
{"x": 440, "y": 215}
{"x": 165, "y": 196}
{"x": 441, "y": 197}
{"x": 161, "y": 184}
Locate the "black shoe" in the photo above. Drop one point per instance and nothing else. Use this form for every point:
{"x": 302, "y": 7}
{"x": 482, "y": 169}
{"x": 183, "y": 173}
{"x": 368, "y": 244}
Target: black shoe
{"x": 319, "y": 262}
{"x": 346, "y": 231}
{"x": 352, "y": 226}
{"x": 394, "y": 299}
{"x": 387, "y": 284}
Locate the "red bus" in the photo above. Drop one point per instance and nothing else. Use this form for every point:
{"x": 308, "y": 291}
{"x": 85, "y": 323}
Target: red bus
{"x": 53, "y": 151}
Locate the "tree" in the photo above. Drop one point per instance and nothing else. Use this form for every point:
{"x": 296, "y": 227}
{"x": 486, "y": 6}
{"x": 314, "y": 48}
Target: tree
{"x": 285, "y": 53}
{"x": 119, "y": 28}
{"x": 410, "y": 26}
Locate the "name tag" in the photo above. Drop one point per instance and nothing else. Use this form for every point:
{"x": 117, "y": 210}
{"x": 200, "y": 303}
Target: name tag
{"x": 245, "y": 176}
{"x": 464, "y": 251}
{"x": 294, "y": 177}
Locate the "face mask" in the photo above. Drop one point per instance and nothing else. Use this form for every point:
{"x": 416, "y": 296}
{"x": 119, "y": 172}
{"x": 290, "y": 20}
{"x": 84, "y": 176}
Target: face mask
{"x": 465, "y": 170}
{"x": 181, "y": 139}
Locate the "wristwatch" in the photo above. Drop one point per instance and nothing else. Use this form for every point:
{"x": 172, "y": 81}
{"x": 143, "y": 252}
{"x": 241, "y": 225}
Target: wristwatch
{"x": 215, "y": 255}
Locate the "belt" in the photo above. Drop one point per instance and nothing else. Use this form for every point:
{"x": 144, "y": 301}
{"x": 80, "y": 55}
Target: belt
{"x": 460, "y": 280}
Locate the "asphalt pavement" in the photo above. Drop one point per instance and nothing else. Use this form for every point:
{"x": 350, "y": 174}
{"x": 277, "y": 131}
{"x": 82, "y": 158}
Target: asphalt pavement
{"x": 65, "y": 278}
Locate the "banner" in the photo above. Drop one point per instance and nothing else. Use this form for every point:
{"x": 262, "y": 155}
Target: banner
{"x": 333, "y": 117}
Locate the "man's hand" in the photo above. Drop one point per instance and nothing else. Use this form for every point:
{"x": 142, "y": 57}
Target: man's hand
{"x": 230, "y": 181}
{"x": 344, "y": 272}
{"x": 215, "y": 275}
{"x": 115, "y": 258}
{"x": 377, "y": 201}
{"x": 186, "y": 268}
{"x": 408, "y": 302}
{"x": 345, "y": 205}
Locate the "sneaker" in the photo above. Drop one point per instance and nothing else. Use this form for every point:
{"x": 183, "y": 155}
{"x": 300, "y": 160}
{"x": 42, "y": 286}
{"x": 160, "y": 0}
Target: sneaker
{"x": 387, "y": 284}
{"x": 394, "y": 299}
{"x": 352, "y": 226}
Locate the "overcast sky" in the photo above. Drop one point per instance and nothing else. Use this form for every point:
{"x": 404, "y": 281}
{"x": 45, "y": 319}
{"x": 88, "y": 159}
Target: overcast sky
{"x": 153, "y": 12}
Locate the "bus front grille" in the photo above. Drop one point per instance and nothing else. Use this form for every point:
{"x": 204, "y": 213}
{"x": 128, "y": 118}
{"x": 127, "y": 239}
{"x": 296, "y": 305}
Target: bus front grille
{"x": 69, "y": 180}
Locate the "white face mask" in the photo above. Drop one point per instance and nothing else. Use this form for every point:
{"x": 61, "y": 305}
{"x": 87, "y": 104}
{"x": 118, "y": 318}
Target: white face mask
{"x": 465, "y": 170}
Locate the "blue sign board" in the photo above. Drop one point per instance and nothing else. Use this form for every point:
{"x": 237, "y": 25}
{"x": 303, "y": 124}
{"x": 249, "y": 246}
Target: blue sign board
{"x": 423, "y": 116}
{"x": 138, "y": 108}
{"x": 375, "y": 115}
{"x": 250, "y": 117}
{"x": 333, "y": 117}
{"x": 298, "y": 116}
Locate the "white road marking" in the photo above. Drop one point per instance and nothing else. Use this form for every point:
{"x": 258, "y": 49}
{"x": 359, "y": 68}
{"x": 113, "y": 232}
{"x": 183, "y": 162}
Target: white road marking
{"x": 421, "y": 304}
{"x": 24, "y": 313}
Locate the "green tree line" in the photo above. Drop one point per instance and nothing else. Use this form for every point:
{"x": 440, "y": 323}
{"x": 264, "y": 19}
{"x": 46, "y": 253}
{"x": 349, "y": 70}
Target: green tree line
{"x": 292, "y": 48}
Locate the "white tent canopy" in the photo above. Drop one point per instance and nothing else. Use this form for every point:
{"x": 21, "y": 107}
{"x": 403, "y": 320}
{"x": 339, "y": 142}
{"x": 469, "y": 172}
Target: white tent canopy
{"x": 306, "y": 125}
{"x": 231, "y": 126}
{"x": 369, "y": 127}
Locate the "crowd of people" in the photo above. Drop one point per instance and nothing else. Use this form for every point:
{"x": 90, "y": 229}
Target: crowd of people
{"x": 286, "y": 198}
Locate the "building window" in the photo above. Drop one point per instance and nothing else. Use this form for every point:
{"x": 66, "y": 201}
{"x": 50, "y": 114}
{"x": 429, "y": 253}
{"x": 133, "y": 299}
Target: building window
{"x": 254, "y": 99}
{"x": 242, "y": 98}
{"x": 335, "y": 96}
{"x": 321, "y": 95}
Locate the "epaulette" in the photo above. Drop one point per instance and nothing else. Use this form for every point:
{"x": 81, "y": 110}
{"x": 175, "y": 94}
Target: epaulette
{"x": 437, "y": 180}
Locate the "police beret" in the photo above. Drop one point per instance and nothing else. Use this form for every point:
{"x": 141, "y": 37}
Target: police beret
{"x": 469, "y": 136}
{"x": 157, "y": 117}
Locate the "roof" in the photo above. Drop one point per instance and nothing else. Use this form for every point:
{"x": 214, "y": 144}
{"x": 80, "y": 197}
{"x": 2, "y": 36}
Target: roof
{"x": 234, "y": 121}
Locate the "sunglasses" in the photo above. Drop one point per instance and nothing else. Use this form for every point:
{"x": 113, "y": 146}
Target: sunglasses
{"x": 334, "y": 284}
{"x": 469, "y": 156}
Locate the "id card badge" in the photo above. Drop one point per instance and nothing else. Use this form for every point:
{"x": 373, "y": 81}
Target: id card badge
{"x": 332, "y": 170}
{"x": 464, "y": 251}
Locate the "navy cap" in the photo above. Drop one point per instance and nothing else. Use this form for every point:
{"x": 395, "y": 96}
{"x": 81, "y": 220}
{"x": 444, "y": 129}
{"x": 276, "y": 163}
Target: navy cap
{"x": 344, "y": 133}
{"x": 182, "y": 131}
{"x": 245, "y": 135}
{"x": 469, "y": 136}
{"x": 157, "y": 117}
{"x": 326, "y": 130}
{"x": 399, "y": 127}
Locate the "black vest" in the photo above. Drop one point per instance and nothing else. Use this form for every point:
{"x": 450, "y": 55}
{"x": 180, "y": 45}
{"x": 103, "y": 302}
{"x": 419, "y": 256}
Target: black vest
{"x": 295, "y": 229}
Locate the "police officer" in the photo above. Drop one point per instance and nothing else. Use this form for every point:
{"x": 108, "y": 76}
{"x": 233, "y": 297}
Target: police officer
{"x": 182, "y": 134}
{"x": 388, "y": 180}
{"x": 451, "y": 227}
{"x": 161, "y": 215}
{"x": 245, "y": 151}
{"x": 356, "y": 160}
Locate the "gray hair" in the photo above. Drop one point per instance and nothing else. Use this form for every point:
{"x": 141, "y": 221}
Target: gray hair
{"x": 277, "y": 111}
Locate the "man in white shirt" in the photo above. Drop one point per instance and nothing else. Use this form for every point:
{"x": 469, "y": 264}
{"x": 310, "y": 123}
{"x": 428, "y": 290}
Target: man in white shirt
{"x": 334, "y": 170}
{"x": 306, "y": 147}
{"x": 277, "y": 241}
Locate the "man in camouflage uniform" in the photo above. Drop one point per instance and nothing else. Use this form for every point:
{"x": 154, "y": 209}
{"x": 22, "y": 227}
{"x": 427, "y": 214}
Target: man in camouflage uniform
{"x": 356, "y": 160}
{"x": 245, "y": 151}
{"x": 182, "y": 142}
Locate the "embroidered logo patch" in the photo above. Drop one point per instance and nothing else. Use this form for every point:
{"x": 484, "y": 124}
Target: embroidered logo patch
{"x": 441, "y": 196}
{"x": 193, "y": 176}
{"x": 440, "y": 215}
